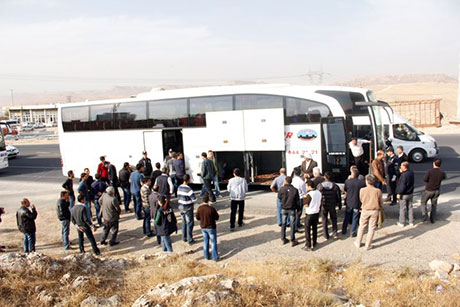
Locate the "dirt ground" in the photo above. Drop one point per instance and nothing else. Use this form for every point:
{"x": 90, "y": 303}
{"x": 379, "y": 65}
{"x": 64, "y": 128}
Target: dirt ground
{"x": 259, "y": 238}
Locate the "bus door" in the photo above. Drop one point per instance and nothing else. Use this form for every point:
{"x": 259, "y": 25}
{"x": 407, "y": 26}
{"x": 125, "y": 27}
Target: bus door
{"x": 153, "y": 145}
{"x": 335, "y": 151}
{"x": 172, "y": 139}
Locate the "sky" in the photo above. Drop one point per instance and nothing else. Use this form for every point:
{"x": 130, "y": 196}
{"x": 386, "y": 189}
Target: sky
{"x": 51, "y": 45}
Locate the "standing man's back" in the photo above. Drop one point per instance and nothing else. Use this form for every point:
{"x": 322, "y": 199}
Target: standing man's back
{"x": 433, "y": 179}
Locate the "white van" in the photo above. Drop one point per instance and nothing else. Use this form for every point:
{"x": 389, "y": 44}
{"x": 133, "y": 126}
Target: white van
{"x": 417, "y": 145}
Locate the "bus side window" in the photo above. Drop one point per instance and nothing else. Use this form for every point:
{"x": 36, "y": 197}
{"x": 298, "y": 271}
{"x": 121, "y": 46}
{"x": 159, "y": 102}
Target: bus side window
{"x": 200, "y": 105}
{"x": 304, "y": 111}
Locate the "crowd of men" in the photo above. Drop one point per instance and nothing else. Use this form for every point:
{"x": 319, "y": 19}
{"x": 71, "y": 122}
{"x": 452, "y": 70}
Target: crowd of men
{"x": 306, "y": 192}
{"x": 307, "y": 189}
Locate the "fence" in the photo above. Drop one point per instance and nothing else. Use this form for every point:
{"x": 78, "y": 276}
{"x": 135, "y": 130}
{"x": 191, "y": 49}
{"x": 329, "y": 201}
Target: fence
{"x": 421, "y": 113}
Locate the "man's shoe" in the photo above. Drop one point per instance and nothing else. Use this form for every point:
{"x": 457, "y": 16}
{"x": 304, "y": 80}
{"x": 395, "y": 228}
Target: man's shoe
{"x": 306, "y": 248}
{"x": 411, "y": 224}
{"x": 399, "y": 224}
{"x": 114, "y": 243}
{"x": 294, "y": 243}
{"x": 128, "y": 211}
{"x": 103, "y": 243}
{"x": 356, "y": 244}
{"x": 97, "y": 253}
{"x": 285, "y": 241}
{"x": 150, "y": 235}
{"x": 232, "y": 228}
{"x": 336, "y": 237}
{"x": 369, "y": 247}
{"x": 191, "y": 242}
{"x": 393, "y": 204}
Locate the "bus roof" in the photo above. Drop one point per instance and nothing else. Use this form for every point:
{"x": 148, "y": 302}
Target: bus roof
{"x": 299, "y": 91}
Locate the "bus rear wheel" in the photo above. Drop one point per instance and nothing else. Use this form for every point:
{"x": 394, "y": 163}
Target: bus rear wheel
{"x": 417, "y": 155}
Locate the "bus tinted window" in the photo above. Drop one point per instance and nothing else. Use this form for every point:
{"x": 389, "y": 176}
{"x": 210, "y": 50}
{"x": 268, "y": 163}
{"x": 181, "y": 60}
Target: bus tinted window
{"x": 250, "y": 102}
{"x": 101, "y": 117}
{"x": 168, "y": 113}
{"x": 347, "y": 101}
{"x": 75, "y": 118}
{"x": 131, "y": 115}
{"x": 304, "y": 111}
{"x": 199, "y": 106}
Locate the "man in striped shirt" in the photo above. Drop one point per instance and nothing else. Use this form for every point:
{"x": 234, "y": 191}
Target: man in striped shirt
{"x": 186, "y": 201}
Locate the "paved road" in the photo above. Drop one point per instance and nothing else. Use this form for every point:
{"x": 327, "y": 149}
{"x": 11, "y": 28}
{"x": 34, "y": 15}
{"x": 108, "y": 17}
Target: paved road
{"x": 40, "y": 163}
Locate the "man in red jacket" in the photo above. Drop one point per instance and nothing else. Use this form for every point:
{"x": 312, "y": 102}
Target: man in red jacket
{"x": 103, "y": 170}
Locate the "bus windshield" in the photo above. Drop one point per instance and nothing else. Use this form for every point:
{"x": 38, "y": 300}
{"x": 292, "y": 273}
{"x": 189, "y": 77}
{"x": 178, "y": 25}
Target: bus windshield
{"x": 379, "y": 112}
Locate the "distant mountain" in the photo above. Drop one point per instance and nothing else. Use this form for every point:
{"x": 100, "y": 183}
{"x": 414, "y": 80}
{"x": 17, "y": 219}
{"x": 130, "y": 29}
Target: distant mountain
{"x": 398, "y": 79}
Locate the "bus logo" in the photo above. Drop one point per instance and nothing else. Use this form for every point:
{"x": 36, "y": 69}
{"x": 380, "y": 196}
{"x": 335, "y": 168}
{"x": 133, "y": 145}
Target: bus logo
{"x": 307, "y": 134}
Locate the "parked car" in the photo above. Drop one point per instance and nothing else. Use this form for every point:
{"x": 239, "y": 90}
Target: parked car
{"x": 39, "y": 125}
{"x": 26, "y": 127}
{"x": 51, "y": 124}
{"x": 12, "y": 151}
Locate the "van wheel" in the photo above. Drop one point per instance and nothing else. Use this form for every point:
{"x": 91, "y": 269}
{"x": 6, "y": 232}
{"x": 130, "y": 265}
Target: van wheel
{"x": 417, "y": 155}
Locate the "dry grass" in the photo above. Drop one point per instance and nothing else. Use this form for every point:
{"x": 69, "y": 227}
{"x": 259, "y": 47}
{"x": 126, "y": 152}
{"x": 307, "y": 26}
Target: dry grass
{"x": 312, "y": 283}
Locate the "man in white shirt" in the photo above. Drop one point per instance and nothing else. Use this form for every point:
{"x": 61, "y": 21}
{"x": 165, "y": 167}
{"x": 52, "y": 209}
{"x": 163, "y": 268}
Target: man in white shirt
{"x": 313, "y": 205}
{"x": 356, "y": 147}
{"x": 299, "y": 183}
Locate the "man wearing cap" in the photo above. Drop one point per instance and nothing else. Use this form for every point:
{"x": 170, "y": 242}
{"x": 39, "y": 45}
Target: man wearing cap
{"x": 307, "y": 166}
{"x": 147, "y": 164}
{"x": 356, "y": 147}
{"x": 392, "y": 174}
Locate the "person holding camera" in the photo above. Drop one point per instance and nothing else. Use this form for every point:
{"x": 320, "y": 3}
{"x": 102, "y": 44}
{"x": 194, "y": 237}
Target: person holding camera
{"x": 25, "y": 218}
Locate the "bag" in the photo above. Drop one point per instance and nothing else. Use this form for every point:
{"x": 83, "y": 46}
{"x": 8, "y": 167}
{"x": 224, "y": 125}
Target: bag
{"x": 381, "y": 218}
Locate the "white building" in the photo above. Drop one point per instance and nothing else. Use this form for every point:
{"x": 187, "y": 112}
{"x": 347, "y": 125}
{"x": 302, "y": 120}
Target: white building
{"x": 34, "y": 113}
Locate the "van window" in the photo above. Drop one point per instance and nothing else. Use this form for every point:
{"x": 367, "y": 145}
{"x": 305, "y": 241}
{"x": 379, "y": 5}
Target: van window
{"x": 404, "y": 132}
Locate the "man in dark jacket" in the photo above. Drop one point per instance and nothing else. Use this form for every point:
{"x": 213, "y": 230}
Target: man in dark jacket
{"x": 110, "y": 214}
{"x": 179, "y": 168}
{"x": 156, "y": 173}
{"x": 307, "y": 166}
{"x": 153, "y": 202}
{"x": 401, "y": 154}
{"x": 166, "y": 222}
{"x": 123, "y": 177}
{"x": 25, "y": 219}
{"x": 433, "y": 180}
{"x": 98, "y": 187}
{"x": 164, "y": 183}
{"x": 392, "y": 174}
{"x": 113, "y": 179}
{"x": 147, "y": 164}
{"x": 82, "y": 221}
{"x": 404, "y": 193}
{"x": 208, "y": 172}
{"x": 68, "y": 186}
{"x": 290, "y": 199}
{"x": 352, "y": 187}
{"x": 63, "y": 214}
{"x": 331, "y": 199}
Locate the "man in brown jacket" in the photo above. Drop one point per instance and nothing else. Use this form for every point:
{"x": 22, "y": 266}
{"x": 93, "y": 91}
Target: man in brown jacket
{"x": 372, "y": 200}
{"x": 378, "y": 170}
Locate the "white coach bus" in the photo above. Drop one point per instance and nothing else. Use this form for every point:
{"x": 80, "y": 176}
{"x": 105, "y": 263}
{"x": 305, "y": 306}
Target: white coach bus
{"x": 258, "y": 128}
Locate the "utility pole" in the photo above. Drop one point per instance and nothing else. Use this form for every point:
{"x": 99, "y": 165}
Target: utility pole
{"x": 12, "y": 97}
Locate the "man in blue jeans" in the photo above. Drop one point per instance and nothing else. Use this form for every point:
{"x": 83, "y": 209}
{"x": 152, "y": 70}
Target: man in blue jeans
{"x": 187, "y": 199}
{"x": 352, "y": 187}
{"x": 276, "y": 185}
{"x": 98, "y": 187}
{"x": 207, "y": 215}
{"x": 136, "y": 180}
{"x": 25, "y": 219}
{"x": 63, "y": 214}
{"x": 123, "y": 176}
{"x": 290, "y": 207}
